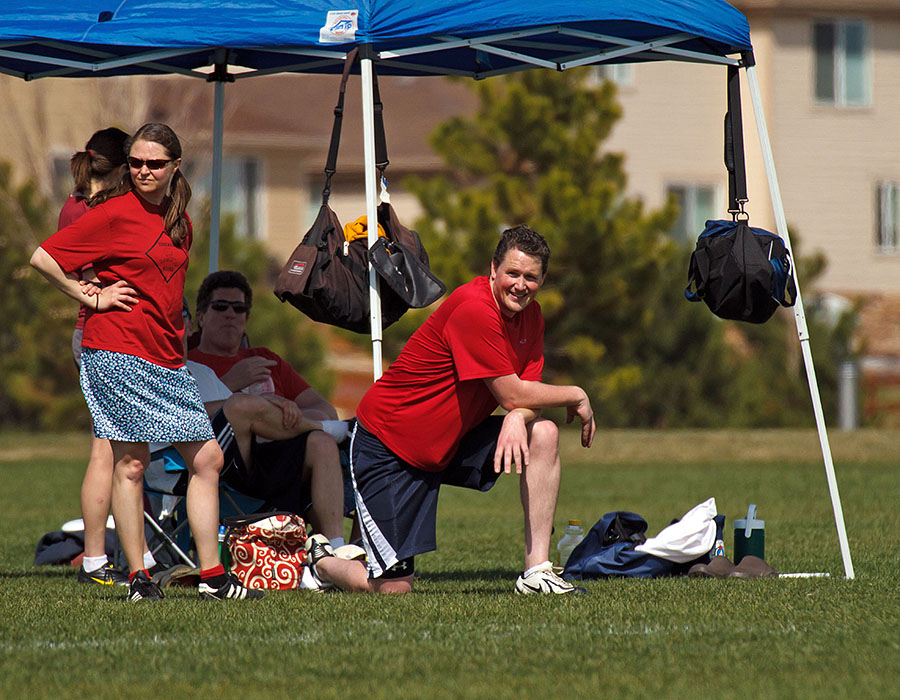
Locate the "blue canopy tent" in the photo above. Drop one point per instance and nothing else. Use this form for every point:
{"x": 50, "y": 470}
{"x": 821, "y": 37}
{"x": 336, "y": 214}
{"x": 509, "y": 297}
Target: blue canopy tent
{"x": 225, "y": 41}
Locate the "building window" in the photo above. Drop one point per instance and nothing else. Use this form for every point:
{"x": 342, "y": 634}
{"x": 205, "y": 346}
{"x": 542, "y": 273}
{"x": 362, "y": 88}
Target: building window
{"x": 240, "y": 193}
{"x": 61, "y": 175}
{"x": 697, "y": 204}
{"x": 887, "y": 216}
{"x": 842, "y": 62}
{"x": 622, "y": 74}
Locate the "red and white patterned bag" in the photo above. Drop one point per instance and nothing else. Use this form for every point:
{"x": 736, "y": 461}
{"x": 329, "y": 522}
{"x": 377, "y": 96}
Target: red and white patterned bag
{"x": 268, "y": 550}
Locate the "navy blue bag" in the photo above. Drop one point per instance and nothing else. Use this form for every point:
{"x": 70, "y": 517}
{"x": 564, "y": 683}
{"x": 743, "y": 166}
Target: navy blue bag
{"x": 608, "y": 551}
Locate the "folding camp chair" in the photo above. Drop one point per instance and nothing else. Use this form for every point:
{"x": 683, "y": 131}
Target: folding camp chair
{"x": 165, "y": 486}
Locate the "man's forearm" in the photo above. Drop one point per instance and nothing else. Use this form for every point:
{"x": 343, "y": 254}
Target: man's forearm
{"x": 529, "y": 414}
{"x": 512, "y": 393}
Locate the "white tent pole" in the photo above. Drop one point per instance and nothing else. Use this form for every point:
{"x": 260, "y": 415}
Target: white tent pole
{"x": 215, "y": 204}
{"x": 368, "y": 105}
{"x": 800, "y": 319}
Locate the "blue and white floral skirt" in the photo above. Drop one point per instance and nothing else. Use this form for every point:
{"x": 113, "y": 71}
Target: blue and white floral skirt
{"x": 133, "y": 400}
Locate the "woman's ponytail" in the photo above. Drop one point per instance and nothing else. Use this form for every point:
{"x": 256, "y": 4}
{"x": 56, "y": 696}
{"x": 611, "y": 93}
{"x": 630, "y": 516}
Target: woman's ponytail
{"x": 179, "y": 195}
{"x": 80, "y": 165}
{"x": 103, "y": 154}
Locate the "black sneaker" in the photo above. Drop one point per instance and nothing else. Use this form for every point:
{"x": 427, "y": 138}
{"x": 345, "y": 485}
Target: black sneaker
{"x": 317, "y": 547}
{"x": 232, "y": 589}
{"x": 142, "y": 588}
{"x": 106, "y": 575}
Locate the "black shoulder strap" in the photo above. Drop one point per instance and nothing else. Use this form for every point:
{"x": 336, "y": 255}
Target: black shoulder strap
{"x": 734, "y": 145}
{"x": 381, "y": 159}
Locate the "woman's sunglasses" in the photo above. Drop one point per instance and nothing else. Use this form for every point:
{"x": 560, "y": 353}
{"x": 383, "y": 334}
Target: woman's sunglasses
{"x": 155, "y": 164}
{"x": 240, "y": 307}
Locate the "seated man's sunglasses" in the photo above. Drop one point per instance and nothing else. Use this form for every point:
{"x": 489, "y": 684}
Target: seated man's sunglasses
{"x": 154, "y": 164}
{"x": 240, "y": 307}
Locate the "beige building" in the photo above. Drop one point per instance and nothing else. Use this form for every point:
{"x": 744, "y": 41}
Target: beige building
{"x": 829, "y": 74}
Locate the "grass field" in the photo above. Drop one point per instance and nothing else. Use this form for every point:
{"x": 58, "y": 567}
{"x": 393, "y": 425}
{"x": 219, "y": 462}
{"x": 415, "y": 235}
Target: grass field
{"x": 462, "y": 633}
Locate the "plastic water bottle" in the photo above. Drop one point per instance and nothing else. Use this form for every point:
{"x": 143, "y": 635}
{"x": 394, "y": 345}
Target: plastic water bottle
{"x": 573, "y": 535}
{"x": 264, "y": 386}
{"x": 224, "y": 553}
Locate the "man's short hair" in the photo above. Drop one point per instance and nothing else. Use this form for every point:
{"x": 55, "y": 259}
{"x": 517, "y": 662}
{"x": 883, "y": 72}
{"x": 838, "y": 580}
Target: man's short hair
{"x": 523, "y": 238}
{"x": 228, "y": 279}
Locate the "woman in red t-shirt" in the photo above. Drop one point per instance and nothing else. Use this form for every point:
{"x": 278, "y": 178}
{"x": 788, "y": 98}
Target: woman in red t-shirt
{"x": 99, "y": 167}
{"x": 132, "y": 365}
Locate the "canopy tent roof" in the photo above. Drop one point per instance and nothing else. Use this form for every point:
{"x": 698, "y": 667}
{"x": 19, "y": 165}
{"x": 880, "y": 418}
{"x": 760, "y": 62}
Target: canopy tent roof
{"x": 477, "y": 38}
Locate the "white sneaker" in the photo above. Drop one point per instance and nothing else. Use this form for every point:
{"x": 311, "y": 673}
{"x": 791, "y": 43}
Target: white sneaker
{"x": 350, "y": 552}
{"x": 310, "y": 581}
{"x": 543, "y": 579}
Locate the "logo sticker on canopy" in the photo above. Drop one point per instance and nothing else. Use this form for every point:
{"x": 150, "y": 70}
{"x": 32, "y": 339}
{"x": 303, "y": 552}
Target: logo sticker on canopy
{"x": 340, "y": 27}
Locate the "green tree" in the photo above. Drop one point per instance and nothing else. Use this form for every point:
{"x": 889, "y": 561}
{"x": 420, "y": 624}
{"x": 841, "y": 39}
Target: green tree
{"x": 38, "y": 379}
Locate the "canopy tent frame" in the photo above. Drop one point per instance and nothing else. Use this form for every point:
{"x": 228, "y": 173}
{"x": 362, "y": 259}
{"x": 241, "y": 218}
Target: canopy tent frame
{"x": 800, "y": 321}
{"x": 518, "y": 48}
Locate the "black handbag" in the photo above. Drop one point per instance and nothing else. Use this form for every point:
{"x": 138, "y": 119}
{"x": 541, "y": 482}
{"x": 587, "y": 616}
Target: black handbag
{"x": 742, "y": 273}
{"x": 327, "y": 276}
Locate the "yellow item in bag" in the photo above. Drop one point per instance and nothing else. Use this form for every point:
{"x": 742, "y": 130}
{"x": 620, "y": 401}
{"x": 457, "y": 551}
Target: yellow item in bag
{"x": 359, "y": 229}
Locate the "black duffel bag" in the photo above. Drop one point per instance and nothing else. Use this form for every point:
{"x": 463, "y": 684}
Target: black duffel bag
{"x": 742, "y": 273}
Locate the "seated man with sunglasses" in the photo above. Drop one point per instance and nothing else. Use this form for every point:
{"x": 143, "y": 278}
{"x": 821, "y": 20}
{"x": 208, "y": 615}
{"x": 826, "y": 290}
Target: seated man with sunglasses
{"x": 223, "y": 307}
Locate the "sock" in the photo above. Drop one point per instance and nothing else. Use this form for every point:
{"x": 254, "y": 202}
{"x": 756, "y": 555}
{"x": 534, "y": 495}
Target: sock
{"x": 149, "y": 560}
{"x": 535, "y": 568}
{"x": 336, "y": 428}
{"x": 135, "y": 573}
{"x": 94, "y": 563}
{"x": 337, "y": 542}
{"x": 214, "y": 577}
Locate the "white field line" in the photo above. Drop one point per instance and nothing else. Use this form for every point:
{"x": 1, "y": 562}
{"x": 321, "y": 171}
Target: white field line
{"x": 299, "y": 638}
{"x": 454, "y": 630}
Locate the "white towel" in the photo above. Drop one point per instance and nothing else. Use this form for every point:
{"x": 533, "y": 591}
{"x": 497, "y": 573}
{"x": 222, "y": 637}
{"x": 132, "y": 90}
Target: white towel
{"x": 691, "y": 537}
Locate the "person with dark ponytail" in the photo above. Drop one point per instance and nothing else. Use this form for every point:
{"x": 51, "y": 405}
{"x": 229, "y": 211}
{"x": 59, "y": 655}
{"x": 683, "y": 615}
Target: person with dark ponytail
{"x": 133, "y": 373}
{"x": 99, "y": 167}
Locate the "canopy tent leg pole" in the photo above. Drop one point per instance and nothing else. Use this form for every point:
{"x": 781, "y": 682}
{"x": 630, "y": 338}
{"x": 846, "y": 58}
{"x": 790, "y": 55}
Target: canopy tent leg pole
{"x": 800, "y": 319}
{"x": 368, "y": 106}
{"x": 215, "y": 204}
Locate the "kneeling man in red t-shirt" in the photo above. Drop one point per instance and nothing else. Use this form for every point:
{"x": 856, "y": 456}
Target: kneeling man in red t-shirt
{"x": 428, "y": 421}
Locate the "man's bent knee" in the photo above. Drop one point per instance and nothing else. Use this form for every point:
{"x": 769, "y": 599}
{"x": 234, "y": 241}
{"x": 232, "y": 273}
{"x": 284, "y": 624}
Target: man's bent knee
{"x": 544, "y": 433}
{"x": 319, "y": 441}
{"x": 397, "y": 578}
{"x": 242, "y": 409}
{"x": 393, "y": 585}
